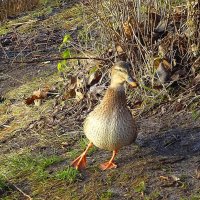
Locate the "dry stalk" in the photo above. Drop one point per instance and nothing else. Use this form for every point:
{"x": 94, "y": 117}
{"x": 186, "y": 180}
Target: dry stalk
{"x": 149, "y": 25}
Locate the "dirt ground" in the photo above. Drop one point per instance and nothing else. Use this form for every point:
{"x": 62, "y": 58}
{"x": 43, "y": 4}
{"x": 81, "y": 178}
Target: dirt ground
{"x": 164, "y": 158}
{"x": 161, "y": 165}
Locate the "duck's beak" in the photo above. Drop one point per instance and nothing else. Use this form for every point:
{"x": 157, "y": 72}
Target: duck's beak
{"x": 131, "y": 81}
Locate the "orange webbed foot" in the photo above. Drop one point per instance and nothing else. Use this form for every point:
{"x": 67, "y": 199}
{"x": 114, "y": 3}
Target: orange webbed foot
{"x": 80, "y": 162}
{"x": 108, "y": 165}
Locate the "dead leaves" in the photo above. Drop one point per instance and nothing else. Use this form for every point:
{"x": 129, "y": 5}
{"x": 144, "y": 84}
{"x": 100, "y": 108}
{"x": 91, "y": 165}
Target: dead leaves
{"x": 38, "y": 95}
{"x": 131, "y": 27}
{"x": 198, "y": 172}
{"x": 174, "y": 181}
{"x": 196, "y": 80}
{"x": 73, "y": 89}
{"x": 94, "y": 76}
{"x": 128, "y": 28}
{"x": 171, "y": 180}
{"x": 163, "y": 69}
{"x": 84, "y": 85}
{"x": 158, "y": 61}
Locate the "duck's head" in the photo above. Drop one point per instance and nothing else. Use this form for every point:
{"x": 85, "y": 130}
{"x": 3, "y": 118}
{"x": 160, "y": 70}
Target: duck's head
{"x": 121, "y": 73}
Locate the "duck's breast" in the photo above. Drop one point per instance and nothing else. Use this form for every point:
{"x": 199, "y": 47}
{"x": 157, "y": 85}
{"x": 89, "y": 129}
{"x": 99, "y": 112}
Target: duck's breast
{"x": 110, "y": 130}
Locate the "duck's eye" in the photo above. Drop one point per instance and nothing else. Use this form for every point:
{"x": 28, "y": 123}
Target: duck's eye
{"x": 121, "y": 70}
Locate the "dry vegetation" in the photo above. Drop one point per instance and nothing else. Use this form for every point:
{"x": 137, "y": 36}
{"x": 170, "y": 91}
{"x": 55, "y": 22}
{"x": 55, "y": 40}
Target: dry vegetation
{"x": 159, "y": 38}
{"x": 44, "y": 101}
{"x": 13, "y": 7}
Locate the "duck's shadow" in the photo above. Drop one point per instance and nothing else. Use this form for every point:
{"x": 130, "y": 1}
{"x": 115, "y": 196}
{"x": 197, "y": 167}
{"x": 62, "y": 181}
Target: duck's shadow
{"x": 174, "y": 142}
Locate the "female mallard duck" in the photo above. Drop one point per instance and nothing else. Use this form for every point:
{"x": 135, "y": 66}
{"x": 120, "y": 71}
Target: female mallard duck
{"x": 110, "y": 125}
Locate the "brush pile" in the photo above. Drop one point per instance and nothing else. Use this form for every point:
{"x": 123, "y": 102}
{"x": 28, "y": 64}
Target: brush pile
{"x": 160, "y": 39}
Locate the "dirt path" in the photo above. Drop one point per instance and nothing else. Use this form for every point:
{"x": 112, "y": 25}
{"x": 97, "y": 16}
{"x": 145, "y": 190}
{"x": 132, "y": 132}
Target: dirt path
{"x": 161, "y": 165}
{"x": 16, "y": 47}
{"x": 35, "y": 35}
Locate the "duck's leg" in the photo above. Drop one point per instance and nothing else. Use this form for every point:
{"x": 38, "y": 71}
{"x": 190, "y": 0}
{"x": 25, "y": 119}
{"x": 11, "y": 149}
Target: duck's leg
{"x": 80, "y": 162}
{"x": 109, "y": 164}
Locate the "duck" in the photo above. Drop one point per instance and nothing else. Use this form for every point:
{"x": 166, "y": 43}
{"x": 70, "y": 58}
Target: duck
{"x": 110, "y": 126}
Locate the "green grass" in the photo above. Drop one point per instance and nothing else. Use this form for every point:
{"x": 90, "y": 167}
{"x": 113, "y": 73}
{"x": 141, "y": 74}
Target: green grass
{"x": 69, "y": 174}
{"x": 83, "y": 144}
{"x": 153, "y": 195}
{"x": 51, "y": 2}
{"x": 195, "y": 196}
{"x": 18, "y": 166}
{"x": 141, "y": 187}
{"x": 44, "y": 11}
{"x": 4, "y": 29}
{"x": 106, "y": 195}
{"x": 74, "y": 153}
{"x": 35, "y": 169}
{"x": 3, "y": 184}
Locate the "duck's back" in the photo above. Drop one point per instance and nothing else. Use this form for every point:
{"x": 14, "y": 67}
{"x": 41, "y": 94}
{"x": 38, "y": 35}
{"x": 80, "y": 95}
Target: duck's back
{"x": 110, "y": 125}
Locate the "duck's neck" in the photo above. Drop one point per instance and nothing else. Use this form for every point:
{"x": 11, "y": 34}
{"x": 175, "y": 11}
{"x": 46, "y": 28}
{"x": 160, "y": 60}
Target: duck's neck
{"x": 117, "y": 85}
{"x": 117, "y": 88}
{"x": 116, "y": 82}
{"x": 115, "y": 95}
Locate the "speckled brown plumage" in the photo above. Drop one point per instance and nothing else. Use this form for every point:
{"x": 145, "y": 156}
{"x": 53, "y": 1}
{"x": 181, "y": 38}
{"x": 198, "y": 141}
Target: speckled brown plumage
{"x": 110, "y": 125}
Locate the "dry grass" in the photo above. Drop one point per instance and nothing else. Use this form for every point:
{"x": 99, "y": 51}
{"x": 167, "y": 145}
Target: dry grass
{"x": 144, "y": 33}
{"x": 18, "y": 115}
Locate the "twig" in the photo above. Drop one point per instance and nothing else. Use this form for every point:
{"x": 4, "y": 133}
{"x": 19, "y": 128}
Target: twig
{"x": 57, "y": 59}
{"x": 26, "y": 195}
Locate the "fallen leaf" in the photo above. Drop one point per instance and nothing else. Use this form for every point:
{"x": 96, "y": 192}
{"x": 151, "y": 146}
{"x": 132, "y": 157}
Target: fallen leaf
{"x": 30, "y": 100}
{"x": 162, "y": 73}
{"x": 94, "y": 76}
{"x": 137, "y": 104}
{"x": 119, "y": 49}
{"x": 165, "y": 178}
{"x": 195, "y": 49}
{"x": 175, "y": 77}
{"x": 128, "y": 28}
{"x": 179, "y": 106}
{"x": 166, "y": 64}
{"x": 198, "y": 172}
{"x": 38, "y": 102}
{"x": 196, "y": 80}
{"x": 73, "y": 82}
{"x": 132, "y": 26}
{"x": 79, "y": 96}
{"x": 170, "y": 181}
{"x": 158, "y": 60}
{"x": 41, "y": 93}
{"x": 38, "y": 94}
{"x": 161, "y": 27}
{"x": 73, "y": 89}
